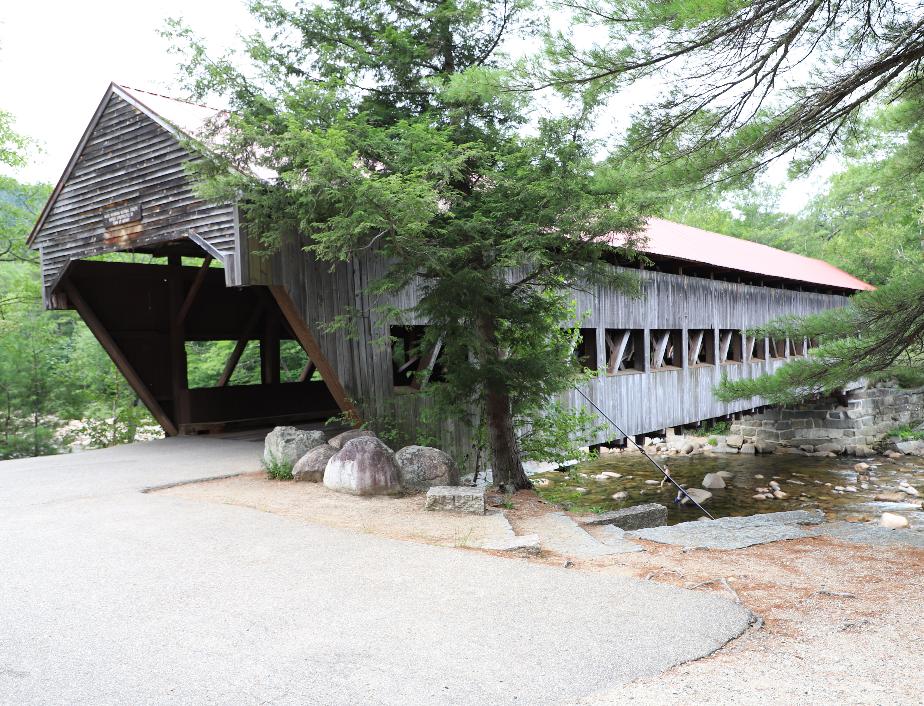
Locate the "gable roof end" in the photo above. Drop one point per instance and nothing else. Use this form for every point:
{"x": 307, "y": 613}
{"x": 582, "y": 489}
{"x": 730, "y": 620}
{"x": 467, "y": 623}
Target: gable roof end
{"x": 182, "y": 120}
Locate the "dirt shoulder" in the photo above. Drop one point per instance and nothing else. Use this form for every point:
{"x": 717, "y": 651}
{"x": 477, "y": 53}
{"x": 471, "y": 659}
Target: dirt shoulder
{"x": 843, "y": 623}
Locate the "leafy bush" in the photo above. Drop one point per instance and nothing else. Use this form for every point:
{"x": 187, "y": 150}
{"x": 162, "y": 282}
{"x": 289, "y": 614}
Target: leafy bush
{"x": 712, "y": 441}
{"x": 907, "y": 433}
{"x": 719, "y": 428}
{"x": 560, "y": 434}
{"x": 278, "y": 469}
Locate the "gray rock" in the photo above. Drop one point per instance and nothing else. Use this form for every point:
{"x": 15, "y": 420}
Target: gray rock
{"x": 456, "y": 499}
{"x": 830, "y": 447}
{"x": 713, "y": 481}
{"x": 687, "y": 448}
{"x": 288, "y": 444}
{"x": 312, "y": 465}
{"x": 525, "y": 545}
{"x": 722, "y": 449}
{"x": 699, "y": 495}
{"x": 748, "y": 449}
{"x": 364, "y": 466}
{"x": 735, "y": 532}
{"x": 338, "y": 441}
{"x": 630, "y": 518}
{"x": 734, "y": 441}
{"x": 425, "y": 466}
{"x": 893, "y": 521}
{"x": 912, "y": 448}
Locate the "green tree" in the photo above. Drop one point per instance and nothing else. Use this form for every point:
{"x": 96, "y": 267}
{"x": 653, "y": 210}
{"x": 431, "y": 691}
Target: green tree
{"x": 392, "y": 128}
{"x": 747, "y": 83}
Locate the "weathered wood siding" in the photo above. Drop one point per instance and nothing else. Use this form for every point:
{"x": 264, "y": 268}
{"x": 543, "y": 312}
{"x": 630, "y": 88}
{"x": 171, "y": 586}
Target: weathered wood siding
{"x": 128, "y": 158}
{"x": 653, "y": 400}
{"x": 640, "y": 402}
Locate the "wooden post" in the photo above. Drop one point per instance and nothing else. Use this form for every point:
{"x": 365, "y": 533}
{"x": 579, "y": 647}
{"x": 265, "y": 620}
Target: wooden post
{"x": 121, "y": 362}
{"x": 239, "y": 347}
{"x": 194, "y": 289}
{"x": 179, "y": 383}
{"x": 269, "y": 352}
{"x": 313, "y": 349}
{"x": 306, "y": 371}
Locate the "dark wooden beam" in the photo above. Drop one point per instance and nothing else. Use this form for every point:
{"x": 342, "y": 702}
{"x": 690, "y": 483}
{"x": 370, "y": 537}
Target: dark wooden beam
{"x": 121, "y": 362}
{"x": 270, "y": 373}
{"x": 179, "y": 382}
{"x": 194, "y": 290}
{"x": 313, "y": 349}
{"x": 249, "y": 331}
{"x": 306, "y": 371}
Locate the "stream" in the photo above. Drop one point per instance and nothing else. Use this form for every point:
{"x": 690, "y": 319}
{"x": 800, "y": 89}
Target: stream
{"x": 809, "y": 483}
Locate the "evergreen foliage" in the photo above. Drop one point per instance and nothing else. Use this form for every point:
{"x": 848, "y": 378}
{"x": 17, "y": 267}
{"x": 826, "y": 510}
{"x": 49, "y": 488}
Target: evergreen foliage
{"x": 750, "y": 82}
{"x": 392, "y": 128}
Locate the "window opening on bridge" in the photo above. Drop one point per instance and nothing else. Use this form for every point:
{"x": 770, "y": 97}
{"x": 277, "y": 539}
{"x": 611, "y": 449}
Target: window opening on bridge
{"x": 730, "y": 346}
{"x": 414, "y": 361}
{"x": 226, "y": 363}
{"x": 777, "y": 347}
{"x": 757, "y": 348}
{"x": 624, "y": 350}
{"x": 665, "y": 349}
{"x": 586, "y": 349}
{"x": 701, "y": 346}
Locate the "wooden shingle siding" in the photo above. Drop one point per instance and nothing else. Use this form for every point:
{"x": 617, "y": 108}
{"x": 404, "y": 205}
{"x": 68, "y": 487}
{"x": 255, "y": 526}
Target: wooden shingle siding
{"x": 128, "y": 157}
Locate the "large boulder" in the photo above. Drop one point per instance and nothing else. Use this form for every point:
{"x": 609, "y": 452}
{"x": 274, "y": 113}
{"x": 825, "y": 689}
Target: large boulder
{"x": 712, "y": 481}
{"x": 312, "y": 465}
{"x": 288, "y": 444}
{"x": 425, "y": 466}
{"x": 364, "y": 466}
{"x": 338, "y": 441}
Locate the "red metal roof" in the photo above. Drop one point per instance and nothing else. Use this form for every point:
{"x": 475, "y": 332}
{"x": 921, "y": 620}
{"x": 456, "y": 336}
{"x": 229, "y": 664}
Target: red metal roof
{"x": 695, "y": 245}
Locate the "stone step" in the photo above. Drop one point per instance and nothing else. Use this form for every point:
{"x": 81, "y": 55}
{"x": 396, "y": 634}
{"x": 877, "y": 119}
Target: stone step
{"x": 560, "y": 534}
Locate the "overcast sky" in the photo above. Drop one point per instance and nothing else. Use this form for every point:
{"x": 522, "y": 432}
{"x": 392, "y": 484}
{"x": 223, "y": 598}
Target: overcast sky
{"x": 57, "y": 58}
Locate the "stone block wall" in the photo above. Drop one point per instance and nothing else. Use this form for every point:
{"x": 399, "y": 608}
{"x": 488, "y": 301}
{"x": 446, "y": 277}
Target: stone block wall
{"x": 826, "y": 425}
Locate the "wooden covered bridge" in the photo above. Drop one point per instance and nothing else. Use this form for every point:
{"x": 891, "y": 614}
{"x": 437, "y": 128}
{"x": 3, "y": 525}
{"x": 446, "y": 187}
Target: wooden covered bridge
{"x": 125, "y": 190}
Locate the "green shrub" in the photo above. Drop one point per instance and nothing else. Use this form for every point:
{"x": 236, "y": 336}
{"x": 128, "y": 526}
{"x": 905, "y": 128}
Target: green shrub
{"x": 278, "y": 469}
{"x": 712, "y": 441}
{"x": 907, "y": 433}
{"x": 719, "y": 428}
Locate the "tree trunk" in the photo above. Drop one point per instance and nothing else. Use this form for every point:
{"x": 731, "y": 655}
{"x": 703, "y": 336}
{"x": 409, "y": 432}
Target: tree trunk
{"x": 506, "y": 464}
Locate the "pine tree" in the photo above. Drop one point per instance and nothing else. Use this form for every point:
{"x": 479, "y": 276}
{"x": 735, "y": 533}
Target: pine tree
{"x": 392, "y": 126}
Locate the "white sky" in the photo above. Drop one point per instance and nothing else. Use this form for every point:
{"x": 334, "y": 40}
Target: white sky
{"x": 57, "y": 58}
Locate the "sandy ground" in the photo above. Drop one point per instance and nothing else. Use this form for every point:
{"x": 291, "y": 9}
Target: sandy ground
{"x": 843, "y": 623}
{"x": 397, "y": 518}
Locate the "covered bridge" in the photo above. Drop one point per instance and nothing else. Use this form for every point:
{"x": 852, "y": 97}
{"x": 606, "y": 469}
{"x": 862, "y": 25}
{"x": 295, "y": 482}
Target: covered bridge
{"x": 126, "y": 190}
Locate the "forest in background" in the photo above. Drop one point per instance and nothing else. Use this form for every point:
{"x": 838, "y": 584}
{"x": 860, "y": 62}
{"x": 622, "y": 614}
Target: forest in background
{"x": 57, "y": 385}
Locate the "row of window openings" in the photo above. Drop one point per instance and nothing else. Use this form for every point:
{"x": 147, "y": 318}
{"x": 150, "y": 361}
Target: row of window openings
{"x": 625, "y": 348}
{"x": 413, "y": 365}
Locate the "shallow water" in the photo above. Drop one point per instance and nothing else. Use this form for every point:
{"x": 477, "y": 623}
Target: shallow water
{"x": 809, "y": 482}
